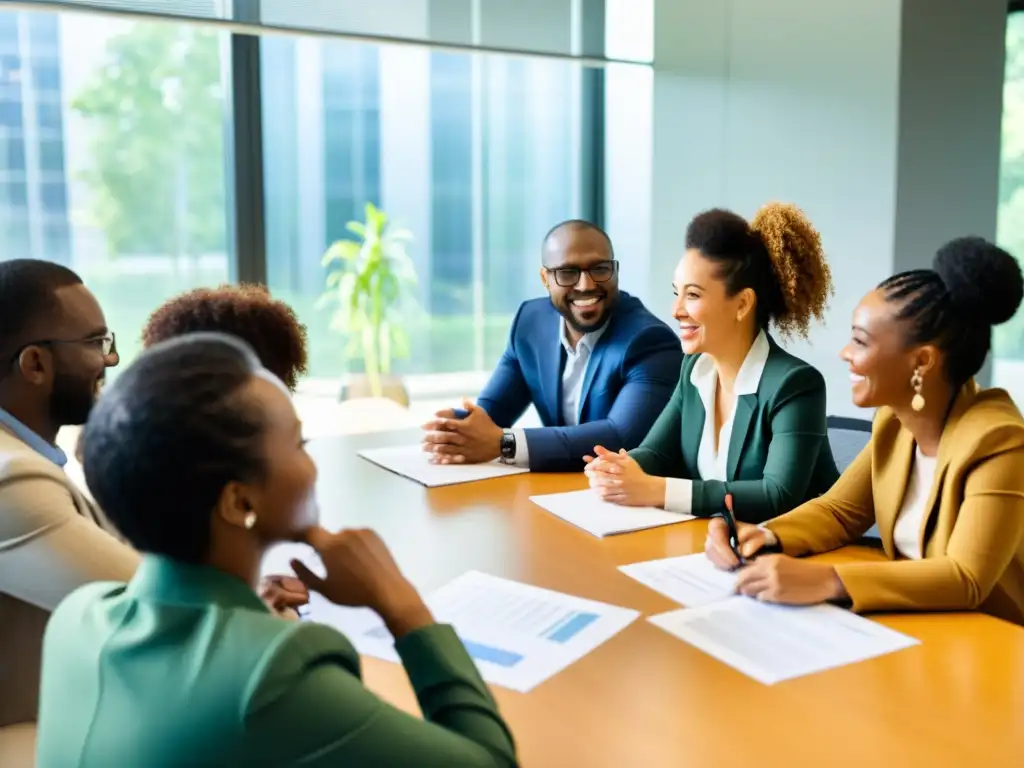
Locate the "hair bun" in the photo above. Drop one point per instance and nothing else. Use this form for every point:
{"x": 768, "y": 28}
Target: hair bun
{"x": 983, "y": 280}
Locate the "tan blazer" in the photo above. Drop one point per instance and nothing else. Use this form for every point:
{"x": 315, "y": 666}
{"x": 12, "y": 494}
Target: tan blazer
{"x": 52, "y": 540}
{"x": 973, "y": 527}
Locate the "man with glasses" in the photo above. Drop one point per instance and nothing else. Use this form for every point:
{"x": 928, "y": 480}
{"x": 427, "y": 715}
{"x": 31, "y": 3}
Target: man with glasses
{"x": 596, "y": 364}
{"x": 55, "y": 349}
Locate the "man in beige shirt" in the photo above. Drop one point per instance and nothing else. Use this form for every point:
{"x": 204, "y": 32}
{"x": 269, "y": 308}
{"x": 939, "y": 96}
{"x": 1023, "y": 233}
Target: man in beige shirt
{"x": 55, "y": 348}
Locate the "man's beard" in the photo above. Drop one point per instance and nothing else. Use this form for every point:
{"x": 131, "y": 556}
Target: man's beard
{"x": 565, "y": 309}
{"x": 72, "y": 399}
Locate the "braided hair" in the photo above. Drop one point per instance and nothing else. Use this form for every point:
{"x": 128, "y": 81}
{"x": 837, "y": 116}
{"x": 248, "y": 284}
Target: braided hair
{"x": 972, "y": 286}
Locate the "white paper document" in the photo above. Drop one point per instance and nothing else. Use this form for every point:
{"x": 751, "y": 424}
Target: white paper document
{"x": 771, "y": 643}
{"x": 413, "y": 462}
{"x": 690, "y": 580}
{"x": 586, "y": 510}
{"x": 517, "y": 635}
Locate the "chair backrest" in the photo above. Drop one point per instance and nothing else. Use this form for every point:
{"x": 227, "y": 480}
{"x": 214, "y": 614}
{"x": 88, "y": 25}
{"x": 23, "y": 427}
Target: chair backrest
{"x": 847, "y": 437}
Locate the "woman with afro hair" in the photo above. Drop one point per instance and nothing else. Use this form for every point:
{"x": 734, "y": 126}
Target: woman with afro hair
{"x": 746, "y": 426}
{"x": 245, "y": 311}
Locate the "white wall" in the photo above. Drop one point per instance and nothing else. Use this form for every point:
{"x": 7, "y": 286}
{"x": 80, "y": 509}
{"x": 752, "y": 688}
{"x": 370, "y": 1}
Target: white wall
{"x": 879, "y": 118}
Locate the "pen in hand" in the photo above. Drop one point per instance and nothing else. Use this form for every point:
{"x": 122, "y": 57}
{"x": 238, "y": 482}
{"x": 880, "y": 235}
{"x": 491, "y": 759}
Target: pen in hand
{"x": 734, "y": 536}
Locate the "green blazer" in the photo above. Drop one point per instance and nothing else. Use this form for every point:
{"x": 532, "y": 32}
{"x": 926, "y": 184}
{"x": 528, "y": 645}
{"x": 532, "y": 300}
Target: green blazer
{"x": 184, "y": 666}
{"x": 779, "y": 455}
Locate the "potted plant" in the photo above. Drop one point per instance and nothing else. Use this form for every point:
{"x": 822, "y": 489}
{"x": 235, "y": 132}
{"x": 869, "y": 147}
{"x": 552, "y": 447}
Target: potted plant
{"x": 371, "y": 277}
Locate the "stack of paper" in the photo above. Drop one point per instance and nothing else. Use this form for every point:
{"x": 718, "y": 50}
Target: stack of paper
{"x": 768, "y": 642}
{"x": 517, "y": 635}
{"x": 586, "y": 510}
{"x": 413, "y": 462}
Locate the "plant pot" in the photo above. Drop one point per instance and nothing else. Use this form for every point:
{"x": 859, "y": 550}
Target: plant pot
{"x": 358, "y": 386}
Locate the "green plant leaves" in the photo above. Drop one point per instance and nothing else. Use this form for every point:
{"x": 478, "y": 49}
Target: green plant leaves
{"x": 371, "y": 282}
{"x": 341, "y": 250}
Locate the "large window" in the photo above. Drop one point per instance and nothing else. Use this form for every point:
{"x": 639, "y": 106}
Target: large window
{"x": 112, "y": 156}
{"x": 476, "y": 155}
{"x": 122, "y": 142}
{"x": 1009, "y": 338}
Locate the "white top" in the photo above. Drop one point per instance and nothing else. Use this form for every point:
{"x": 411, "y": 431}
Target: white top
{"x": 576, "y": 361}
{"x": 906, "y": 536}
{"x": 711, "y": 463}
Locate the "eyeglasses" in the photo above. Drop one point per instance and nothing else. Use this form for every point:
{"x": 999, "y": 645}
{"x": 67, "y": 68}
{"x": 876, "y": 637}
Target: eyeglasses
{"x": 601, "y": 272}
{"x": 106, "y": 344}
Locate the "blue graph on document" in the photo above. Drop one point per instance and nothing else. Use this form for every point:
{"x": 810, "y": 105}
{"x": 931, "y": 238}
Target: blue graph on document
{"x": 540, "y": 619}
{"x": 570, "y": 625}
{"x": 477, "y": 651}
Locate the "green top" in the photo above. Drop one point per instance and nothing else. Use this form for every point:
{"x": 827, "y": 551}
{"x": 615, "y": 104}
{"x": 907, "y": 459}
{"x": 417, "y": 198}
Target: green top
{"x": 779, "y": 455}
{"x": 185, "y": 666}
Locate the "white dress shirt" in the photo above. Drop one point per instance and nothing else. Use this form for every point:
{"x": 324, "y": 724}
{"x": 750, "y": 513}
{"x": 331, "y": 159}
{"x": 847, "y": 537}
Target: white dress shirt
{"x": 711, "y": 463}
{"x": 575, "y": 371}
{"x": 906, "y": 536}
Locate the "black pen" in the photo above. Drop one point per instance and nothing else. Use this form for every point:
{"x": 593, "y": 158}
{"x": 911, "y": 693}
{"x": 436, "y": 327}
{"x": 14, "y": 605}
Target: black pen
{"x": 734, "y": 536}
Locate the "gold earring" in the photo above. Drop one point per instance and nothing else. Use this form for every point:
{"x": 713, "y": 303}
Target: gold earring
{"x": 249, "y": 520}
{"x": 916, "y": 381}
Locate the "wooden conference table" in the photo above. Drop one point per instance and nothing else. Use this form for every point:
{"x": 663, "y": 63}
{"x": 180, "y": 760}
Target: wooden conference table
{"x": 645, "y": 699}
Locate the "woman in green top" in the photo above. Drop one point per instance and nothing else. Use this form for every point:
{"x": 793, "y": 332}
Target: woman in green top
{"x": 196, "y": 454}
{"x": 747, "y": 419}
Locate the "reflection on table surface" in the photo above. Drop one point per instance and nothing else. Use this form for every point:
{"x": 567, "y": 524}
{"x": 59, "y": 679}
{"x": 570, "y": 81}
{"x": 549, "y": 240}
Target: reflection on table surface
{"x": 646, "y": 699}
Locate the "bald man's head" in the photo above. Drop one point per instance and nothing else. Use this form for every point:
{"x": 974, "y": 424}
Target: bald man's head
{"x": 581, "y": 274}
{"x": 554, "y": 240}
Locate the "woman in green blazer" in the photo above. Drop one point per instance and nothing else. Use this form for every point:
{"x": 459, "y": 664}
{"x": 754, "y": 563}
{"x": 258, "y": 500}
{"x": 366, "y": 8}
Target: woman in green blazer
{"x": 196, "y": 454}
{"x": 747, "y": 418}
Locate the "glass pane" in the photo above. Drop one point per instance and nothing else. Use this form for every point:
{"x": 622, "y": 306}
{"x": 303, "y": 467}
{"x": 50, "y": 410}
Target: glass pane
{"x": 628, "y": 156}
{"x": 115, "y": 171}
{"x": 1008, "y": 343}
{"x": 204, "y": 9}
{"x": 545, "y": 26}
{"x": 8, "y": 33}
{"x": 530, "y": 26}
{"x": 476, "y": 155}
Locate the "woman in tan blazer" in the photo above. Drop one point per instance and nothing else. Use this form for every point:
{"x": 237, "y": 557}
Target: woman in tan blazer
{"x": 943, "y": 474}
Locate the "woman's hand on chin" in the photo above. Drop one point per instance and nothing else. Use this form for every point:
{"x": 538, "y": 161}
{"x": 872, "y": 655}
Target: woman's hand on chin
{"x": 361, "y": 573}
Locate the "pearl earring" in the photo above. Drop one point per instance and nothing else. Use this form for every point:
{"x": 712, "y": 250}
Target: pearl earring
{"x": 250, "y": 520}
{"x": 917, "y": 381}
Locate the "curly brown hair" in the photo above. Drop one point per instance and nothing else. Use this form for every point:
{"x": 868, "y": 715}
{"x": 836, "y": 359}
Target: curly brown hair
{"x": 798, "y": 261}
{"x": 778, "y": 256}
{"x": 247, "y": 311}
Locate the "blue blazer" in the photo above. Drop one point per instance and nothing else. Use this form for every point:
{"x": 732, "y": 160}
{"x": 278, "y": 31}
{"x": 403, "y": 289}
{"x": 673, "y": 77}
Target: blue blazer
{"x": 629, "y": 379}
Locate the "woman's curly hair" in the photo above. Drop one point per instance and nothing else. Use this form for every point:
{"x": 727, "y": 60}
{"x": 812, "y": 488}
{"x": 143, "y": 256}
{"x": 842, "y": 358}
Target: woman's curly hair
{"x": 246, "y": 311}
{"x": 798, "y": 261}
{"x": 778, "y": 255}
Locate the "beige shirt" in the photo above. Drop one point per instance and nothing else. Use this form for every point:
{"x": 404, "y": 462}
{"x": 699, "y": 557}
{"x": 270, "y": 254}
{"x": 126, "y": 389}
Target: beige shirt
{"x": 906, "y": 535}
{"x": 52, "y": 541}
